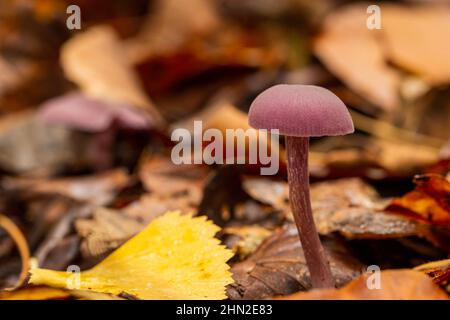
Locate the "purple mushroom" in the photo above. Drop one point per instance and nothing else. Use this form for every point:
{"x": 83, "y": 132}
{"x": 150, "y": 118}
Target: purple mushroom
{"x": 102, "y": 119}
{"x": 300, "y": 112}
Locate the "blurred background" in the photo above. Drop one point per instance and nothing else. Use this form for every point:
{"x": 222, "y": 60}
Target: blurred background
{"x": 173, "y": 60}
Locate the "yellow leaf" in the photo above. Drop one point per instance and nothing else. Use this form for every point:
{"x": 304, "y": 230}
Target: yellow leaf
{"x": 175, "y": 257}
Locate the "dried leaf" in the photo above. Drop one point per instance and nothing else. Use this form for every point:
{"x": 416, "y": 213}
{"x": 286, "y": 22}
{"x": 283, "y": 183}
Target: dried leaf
{"x": 107, "y": 230}
{"x": 14, "y": 232}
{"x": 414, "y": 37}
{"x": 246, "y": 239}
{"x": 353, "y": 208}
{"x": 428, "y": 203}
{"x": 278, "y": 267}
{"x": 395, "y": 285}
{"x": 352, "y": 52}
{"x": 151, "y": 206}
{"x": 96, "y": 189}
{"x": 439, "y": 271}
{"x": 166, "y": 179}
{"x": 29, "y": 145}
{"x": 274, "y": 193}
{"x": 96, "y": 62}
{"x": 172, "y": 24}
{"x": 175, "y": 257}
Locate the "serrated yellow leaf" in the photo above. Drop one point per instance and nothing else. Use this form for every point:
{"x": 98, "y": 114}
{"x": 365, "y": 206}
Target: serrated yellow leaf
{"x": 175, "y": 257}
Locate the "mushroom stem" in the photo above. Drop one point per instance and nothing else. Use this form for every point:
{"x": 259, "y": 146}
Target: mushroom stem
{"x": 297, "y": 155}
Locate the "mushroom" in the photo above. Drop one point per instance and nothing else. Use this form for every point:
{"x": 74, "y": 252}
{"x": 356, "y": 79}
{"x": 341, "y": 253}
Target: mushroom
{"x": 100, "y": 118}
{"x": 300, "y": 112}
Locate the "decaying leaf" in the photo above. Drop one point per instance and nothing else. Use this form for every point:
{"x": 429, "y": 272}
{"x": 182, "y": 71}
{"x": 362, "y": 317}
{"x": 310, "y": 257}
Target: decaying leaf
{"x": 352, "y": 52}
{"x": 96, "y": 189}
{"x": 171, "y": 26}
{"x": 395, "y": 285}
{"x": 410, "y": 38}
{"x": 223, "y": 116}
{"x": 151, "y": 206}
{"x": 29, "y": 145}
{"x": 97, "y": 63}
{"x": 354, "y": 209}
{"x": 439, "y": 271}
{"x": 428, "y": 203}
{"x": 414, "y": 40}
{"x": 274, "y": 193}
{"x": 107, "y": 230}
{"x": 278, "y": 267}
{"x": 14, "y": 232}
{"x": 246, "y": 239}
{"x": 161, "y": 176}
{"x": 175, "y": 257}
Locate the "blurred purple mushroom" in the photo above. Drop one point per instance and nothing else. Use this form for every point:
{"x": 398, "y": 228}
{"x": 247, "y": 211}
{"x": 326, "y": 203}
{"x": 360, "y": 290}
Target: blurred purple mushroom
{"x": 103, "y": 119}
{"x": 300, "y": 112}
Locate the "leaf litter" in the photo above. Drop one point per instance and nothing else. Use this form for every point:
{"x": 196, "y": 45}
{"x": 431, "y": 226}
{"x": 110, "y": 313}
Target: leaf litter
{"x": 87, "y": 178}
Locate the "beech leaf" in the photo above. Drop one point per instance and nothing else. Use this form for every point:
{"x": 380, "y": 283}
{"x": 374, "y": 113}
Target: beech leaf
{"x": 395, "y": 285}
{"x": 175, "y": 257}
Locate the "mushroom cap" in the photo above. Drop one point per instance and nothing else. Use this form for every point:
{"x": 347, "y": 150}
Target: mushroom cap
{"x": 77, "y": 111}
{"x": 301, "y": 111}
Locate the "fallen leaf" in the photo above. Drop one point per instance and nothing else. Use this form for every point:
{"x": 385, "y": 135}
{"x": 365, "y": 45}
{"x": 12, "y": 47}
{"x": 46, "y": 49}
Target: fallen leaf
{"x": 413, "y": 38}
{"x": 428, "y": 203}
{"x": 353, "y": 53}
{"x": 246, "y": 239}
{"x": 274, "y": 193}
{"x": 172, "y": 24}
{"x": 223, "y": 116}
{"x": 439, "y": 271}
{"x": 14, "y": 232}
{"x": 175, "y": 257}
{"x": 96, "y": 189}
{"x": 96, "y": 61}
{"x": 374, "y": 62}
{"x": 278, "y": 267}
{"x": 354, "y": 209}
{"x": 371, "y": 157}
{"x": 28, "y": 145}
{"x": 151, "y": 206}
{"x": 35, "y": 293}
{"x": 166, "y": 179}
{"x": 395, "y": 285}
{"x": 105, "y": 231}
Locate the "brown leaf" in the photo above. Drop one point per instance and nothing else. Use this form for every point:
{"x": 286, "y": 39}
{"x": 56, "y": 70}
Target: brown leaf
{"x": 166, "y": 179}
{"x": 96, "y": 189}
{"x": 151, "y": 206}
{"x": 354, "y": 209}
{"x": 107, "y": 230}
{"x": 439, "y": 271}
{"x": 171, "y": 25}
{"x": 414, "y": 40}
{"x": 274, "y": 193}
{"x": 395, "y": 285}
{"x": 410, "y": 38}
{"x": 352, "y": 52}
{"x": 428, "y": 203}
{"x": 29, "y": 145}
{"x": 95, "y": 60}
{"x": 278, "y": 267}
{"x": 244, "y": 240}
{"x": 16, "y": 234}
